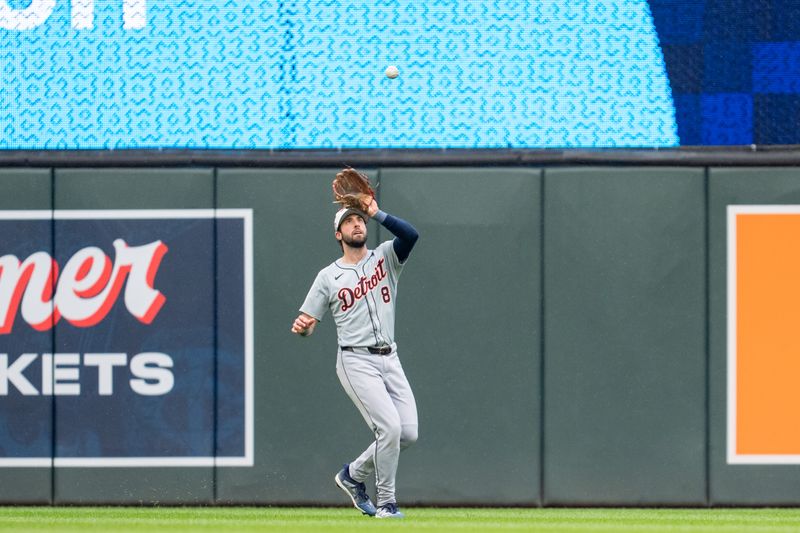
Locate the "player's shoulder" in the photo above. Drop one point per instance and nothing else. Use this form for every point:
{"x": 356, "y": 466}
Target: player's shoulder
{"x": 384, "y": 247}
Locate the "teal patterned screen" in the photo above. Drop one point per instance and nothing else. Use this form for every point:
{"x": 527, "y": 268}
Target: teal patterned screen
{"x": 309, "y": 74}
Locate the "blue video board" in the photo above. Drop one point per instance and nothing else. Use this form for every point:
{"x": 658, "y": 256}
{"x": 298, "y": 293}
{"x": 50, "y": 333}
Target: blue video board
{"x": 81, "y": 74}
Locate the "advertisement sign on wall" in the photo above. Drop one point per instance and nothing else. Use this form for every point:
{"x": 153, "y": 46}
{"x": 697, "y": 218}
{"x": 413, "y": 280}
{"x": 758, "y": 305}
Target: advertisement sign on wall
{"x": 126, "y": 338}
{"x": 763, "y": 318}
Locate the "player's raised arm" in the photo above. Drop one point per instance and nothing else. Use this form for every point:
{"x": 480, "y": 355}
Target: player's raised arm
{"x": 304, "y": 325}
{"x": 405, "y": 234}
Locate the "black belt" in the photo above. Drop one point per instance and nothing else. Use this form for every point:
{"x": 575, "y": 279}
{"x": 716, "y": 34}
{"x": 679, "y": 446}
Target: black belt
{"x": 377, "y": 350}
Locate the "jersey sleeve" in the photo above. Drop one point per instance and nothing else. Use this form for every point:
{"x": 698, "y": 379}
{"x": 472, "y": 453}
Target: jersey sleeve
{"x": 405, "y": 234}
{"x": 316, "y": 302}
{"x": 393, "y": 263}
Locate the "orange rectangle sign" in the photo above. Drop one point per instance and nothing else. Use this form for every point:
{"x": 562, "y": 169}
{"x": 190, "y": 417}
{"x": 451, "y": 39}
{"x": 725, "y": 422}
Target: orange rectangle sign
{"x": 764, "y": 334}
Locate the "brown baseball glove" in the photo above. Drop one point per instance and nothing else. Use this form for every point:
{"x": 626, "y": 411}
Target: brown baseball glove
{"x": 351, "y": 188}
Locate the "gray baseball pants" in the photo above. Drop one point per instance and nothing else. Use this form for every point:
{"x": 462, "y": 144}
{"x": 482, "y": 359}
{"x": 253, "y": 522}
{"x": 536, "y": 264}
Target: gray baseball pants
{"x": 379, "y": 389}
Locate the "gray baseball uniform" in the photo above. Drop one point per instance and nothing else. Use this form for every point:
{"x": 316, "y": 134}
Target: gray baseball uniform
{"x": 361, "y": 298}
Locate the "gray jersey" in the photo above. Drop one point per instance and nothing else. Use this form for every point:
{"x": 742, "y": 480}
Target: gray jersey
{"x": 360, "y": 297}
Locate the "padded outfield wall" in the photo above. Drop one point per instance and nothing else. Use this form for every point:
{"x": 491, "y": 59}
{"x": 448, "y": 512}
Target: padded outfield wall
{"x": 565, "y": 329}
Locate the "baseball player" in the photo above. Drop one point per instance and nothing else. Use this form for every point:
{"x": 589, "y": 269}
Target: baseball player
{"x": 360, "y": 290}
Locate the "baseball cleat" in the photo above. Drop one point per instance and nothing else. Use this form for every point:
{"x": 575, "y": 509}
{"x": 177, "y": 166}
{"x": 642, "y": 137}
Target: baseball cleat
{"x": 357, "y": 491}
{"x": 389, "y": 510}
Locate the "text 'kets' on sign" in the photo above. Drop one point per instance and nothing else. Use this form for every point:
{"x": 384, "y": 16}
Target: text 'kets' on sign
{"x": 763, "y": 334}
{"x": 61, "y": 373}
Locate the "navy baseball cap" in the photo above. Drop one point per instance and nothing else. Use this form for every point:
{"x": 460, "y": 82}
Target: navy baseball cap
{"x": 343, "y": 213}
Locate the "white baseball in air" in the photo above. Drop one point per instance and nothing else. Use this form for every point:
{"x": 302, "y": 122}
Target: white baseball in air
{"x": 392, "y": 72}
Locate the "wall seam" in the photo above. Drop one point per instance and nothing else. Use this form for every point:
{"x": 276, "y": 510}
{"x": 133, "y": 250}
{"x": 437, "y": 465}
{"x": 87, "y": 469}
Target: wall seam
{"x": 707, "y": 369}
{"x": 215, "y": 267}
{"x": 542, "y": 343}
{"x": 53, "y": 339}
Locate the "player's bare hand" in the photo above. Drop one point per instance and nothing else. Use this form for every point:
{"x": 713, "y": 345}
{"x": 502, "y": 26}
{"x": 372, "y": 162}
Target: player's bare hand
{"x": 370, "y": 207}
{"x": 303, "y": 324}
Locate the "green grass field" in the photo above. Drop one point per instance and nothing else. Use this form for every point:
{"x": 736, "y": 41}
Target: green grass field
{"x": 235, "y": 519}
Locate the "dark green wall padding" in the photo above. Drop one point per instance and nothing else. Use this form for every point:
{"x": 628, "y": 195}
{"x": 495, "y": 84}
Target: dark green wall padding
{"x": 468, "y": 327}
{"x": 624, "y": 337}
{"x": 563, "y": 330}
